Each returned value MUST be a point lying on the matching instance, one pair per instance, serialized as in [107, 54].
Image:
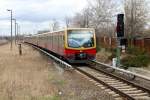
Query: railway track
[119, 88]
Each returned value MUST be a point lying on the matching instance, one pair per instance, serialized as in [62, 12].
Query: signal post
[120, 36]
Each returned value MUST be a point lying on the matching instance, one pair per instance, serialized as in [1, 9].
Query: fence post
[20, 49]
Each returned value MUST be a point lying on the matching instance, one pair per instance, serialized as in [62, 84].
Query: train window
[63, 38]
[58, 39]
[53, 38]
[77, 39]
[47, 38]
[50, 39]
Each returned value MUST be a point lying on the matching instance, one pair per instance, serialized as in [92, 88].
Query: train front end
[80, 45]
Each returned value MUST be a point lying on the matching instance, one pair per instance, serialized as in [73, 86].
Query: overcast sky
[34, 15]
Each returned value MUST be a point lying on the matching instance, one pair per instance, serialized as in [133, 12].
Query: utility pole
[17, 32]
[15, 29]
[11, 27]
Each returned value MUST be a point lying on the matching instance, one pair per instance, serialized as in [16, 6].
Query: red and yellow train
[76, 45]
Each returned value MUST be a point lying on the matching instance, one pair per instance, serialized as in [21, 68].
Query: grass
[55, 97]
[23, 77]
[60, 82]
[31, 77]
[55, 81]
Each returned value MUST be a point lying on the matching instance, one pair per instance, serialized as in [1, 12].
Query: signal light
[120, 25]
[123, 41]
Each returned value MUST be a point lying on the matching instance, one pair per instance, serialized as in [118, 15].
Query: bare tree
[136, 16]
[99, 15]
[54, 25]
[78, 20]
[42, 31]
[102, 12]
[67, 21]
[82, 19]
[86, 17]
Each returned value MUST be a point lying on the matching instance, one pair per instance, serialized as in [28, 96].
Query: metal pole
[18, 32]
[118, 52]
[11, 29]
[15, 30]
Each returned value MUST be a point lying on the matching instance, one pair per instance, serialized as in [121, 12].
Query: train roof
[79, 28]
[60, 31]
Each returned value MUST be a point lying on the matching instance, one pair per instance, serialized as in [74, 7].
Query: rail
[123, 71]
[65, 65]
[123, 94]
[128, 97]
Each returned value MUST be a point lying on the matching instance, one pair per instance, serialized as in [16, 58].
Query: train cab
[80, 45]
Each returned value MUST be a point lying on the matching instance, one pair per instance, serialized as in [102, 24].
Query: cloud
[37, 11]
[41, 10]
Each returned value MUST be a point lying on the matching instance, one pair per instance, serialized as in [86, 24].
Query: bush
[135, 50]
[136, 60]
[113, 54]
[98, 48]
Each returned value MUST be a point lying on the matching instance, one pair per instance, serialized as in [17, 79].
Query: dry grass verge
[35, 77]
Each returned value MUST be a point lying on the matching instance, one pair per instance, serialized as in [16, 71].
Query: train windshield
[78, 39]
